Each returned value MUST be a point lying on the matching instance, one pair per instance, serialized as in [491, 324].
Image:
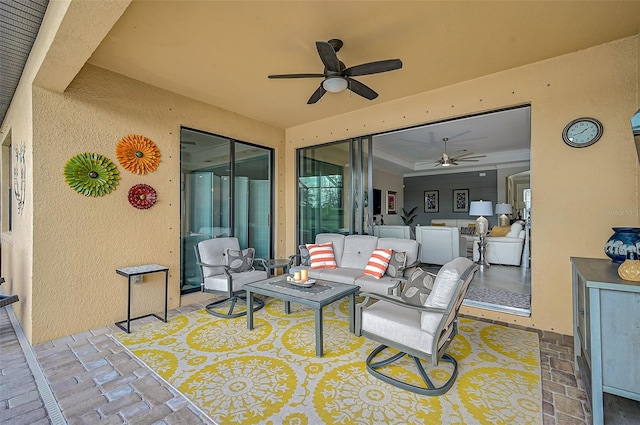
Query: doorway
[226, 190]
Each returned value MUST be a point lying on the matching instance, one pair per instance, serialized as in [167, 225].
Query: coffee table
[322, 293]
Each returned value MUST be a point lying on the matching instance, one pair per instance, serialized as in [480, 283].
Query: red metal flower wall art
[142, 196]
[138, 154]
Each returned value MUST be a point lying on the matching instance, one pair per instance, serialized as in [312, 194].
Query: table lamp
[481, 208]
[503, 209]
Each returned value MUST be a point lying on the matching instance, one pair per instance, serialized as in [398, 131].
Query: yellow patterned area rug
[270, 375]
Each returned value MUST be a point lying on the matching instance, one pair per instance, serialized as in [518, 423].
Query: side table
[129, 273]
[277, 263]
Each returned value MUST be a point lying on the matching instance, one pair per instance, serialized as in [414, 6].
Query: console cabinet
[606, 320]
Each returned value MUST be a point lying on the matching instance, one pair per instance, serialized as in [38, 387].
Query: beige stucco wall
[62, 255]
[577, 194]
[79, 241]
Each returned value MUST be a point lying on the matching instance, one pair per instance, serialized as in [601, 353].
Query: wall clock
[582, 132]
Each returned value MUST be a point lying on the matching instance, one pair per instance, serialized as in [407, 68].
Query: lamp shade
[481, 208]
[503, 209]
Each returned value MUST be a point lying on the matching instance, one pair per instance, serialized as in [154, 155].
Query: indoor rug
[499, 297]
[270, 375]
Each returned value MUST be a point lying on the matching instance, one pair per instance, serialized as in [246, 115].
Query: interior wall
[482, 185]
[77, 288]
[389, 182]
[571, 188]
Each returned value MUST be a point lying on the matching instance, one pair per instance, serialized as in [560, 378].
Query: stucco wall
[577, 194]
[79, 241]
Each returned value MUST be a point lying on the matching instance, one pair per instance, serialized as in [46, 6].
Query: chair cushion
[220, 283]
[444, 287]
[378, 262]
[397, 261]
[214, 252]
[322, 256]
[398, 324]
[240, 260]
[418, 287]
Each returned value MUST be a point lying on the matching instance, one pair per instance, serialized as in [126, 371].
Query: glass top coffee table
[320, 294]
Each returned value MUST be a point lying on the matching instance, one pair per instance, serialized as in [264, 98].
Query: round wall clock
[582, 132]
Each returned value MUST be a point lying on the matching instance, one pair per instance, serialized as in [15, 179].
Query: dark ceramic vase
[623, 240]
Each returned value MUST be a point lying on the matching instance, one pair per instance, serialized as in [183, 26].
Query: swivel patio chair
[423, 330]
[225, 270]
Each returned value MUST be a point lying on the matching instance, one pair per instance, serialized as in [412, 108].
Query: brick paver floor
[95, 380]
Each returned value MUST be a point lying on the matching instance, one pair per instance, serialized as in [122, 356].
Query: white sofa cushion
[516, 228]
[357, 251]
[341, 274]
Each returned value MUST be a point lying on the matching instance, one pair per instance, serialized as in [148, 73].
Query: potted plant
[408, 216]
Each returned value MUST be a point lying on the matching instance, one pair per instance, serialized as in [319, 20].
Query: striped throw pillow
[378, 262]
[322, 256]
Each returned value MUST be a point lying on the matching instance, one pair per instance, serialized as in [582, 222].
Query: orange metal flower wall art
[138, 154]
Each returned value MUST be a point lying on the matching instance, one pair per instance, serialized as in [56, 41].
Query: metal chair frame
[447, 330]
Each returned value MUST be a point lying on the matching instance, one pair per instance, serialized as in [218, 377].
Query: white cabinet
[606, 318]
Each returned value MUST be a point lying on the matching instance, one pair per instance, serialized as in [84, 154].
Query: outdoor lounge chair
[225, 270]
[423, 332]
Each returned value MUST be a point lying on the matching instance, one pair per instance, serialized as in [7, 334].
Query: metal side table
[129, 273]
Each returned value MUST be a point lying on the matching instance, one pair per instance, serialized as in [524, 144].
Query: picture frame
[431, 201]
[392, 204]
[461, 200]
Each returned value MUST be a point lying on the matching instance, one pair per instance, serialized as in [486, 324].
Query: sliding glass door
[226, 190]
[334, 186]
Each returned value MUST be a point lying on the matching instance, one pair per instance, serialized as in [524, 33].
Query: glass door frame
[232, 152]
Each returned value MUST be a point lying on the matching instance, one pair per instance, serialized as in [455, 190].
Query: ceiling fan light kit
[335, 84]
[337, 77]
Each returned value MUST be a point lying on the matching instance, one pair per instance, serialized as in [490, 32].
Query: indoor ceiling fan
[447, 160]
[337, 77]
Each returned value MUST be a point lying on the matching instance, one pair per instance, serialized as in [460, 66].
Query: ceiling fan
[447, 160]
[337, 77]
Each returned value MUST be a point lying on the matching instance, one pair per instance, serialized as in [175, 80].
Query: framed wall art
[391, 202]
[461, 200]
[431, 201]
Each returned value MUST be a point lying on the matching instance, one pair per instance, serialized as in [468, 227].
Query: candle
[296, 276]
[304, 275]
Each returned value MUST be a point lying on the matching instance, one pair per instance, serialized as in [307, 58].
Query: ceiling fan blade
[467, 154]
[465, 160]
[360, 89]
[320, 91]
[373, 67]
[459, 158]
[296, 76]
[328, 56]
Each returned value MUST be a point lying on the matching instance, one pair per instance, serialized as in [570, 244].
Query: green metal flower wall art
[91, 174]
